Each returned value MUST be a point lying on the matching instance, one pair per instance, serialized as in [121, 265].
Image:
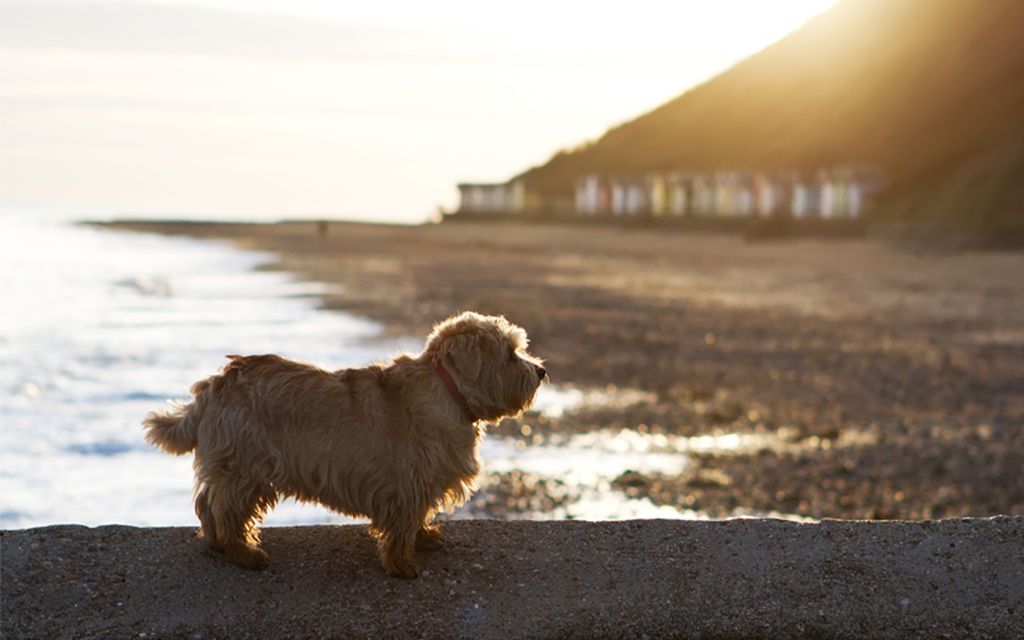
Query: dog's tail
[175, 430]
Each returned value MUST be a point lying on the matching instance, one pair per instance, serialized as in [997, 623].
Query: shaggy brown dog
[394, 442]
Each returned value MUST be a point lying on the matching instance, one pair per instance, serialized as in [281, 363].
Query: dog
[394, 442]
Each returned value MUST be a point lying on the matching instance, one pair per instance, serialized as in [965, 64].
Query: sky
[268, 109]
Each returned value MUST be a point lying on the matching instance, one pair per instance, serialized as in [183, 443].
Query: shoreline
[924, 237]
[856, 362]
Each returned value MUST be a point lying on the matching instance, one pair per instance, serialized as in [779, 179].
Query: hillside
[931, 91]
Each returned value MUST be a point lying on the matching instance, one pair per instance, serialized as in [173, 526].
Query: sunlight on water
[588, 463]
[554, 401]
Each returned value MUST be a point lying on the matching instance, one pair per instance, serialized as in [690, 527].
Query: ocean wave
[105, 448]
[100, 334]
[148, 286]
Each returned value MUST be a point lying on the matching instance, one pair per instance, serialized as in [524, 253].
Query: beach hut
[730, 198]
[604, 197]
[638, 200]
[826, 194]
[504, 197]
[703, 191]
[841, 184]
[743, 185]
[617, 189]
[630, 196]
[588, 194]
[800, 202]
[765, 195]
[679, 194]
[472, 197]
[657, 194]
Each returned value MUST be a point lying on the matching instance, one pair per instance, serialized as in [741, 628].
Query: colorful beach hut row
[841, 192]
[505, 197]
[844, 192]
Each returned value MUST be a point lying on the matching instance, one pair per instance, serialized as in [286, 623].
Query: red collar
[453, 390]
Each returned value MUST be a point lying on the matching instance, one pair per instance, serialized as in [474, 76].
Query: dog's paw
[247, 557]
[407, 569]
[212, 544]
[429, 540]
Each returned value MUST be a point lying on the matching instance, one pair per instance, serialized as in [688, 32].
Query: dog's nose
[542, 372]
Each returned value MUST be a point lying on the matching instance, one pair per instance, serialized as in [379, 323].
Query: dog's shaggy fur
[390, 442]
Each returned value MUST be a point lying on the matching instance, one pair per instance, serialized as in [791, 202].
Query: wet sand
[886, 383]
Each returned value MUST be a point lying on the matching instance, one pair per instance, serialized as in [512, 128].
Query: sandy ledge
[728, 579]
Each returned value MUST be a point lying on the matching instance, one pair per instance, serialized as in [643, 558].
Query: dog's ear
[464, 354]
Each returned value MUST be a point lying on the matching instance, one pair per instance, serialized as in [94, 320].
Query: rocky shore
[634, 579]
[884, 382]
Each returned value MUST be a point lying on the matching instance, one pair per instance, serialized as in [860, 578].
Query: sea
[100, 326]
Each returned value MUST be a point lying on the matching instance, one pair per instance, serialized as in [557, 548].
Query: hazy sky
[371, 110]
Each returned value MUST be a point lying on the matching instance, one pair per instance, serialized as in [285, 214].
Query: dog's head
[487, 358]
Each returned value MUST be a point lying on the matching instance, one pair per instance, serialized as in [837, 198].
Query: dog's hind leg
[235, 506]
[396, 542]
[207, 525]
